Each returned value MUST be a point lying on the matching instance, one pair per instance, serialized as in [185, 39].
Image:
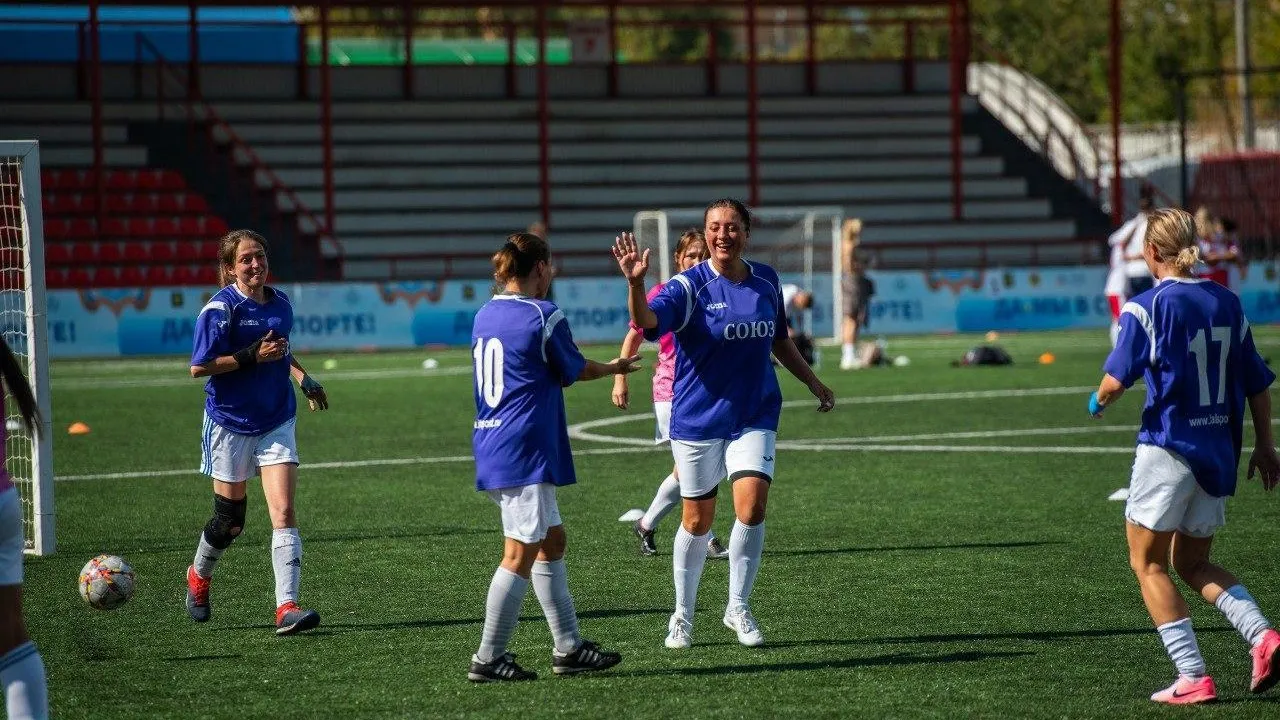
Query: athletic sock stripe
[18, 654]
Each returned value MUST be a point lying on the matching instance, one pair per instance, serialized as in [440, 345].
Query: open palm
[633, 263]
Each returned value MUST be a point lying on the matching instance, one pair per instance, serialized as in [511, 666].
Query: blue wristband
[1095, 407]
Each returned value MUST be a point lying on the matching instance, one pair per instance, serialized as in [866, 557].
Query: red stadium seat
[162, 252]
[56, 228]
[216, 226]
[133, 276]
[115, 227]
[166, 228]
[195, 203]
[84, 253]
[57, 253]
[207, 274]
[137, 252]
[78, 277]
[188, 251]
[105, 276]
[82, 229]
[55, 277]
[108, 252]
[184, 275]
[170, 203]
[157, 275]
[191, 228]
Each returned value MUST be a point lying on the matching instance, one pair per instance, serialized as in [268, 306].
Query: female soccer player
[728, 316]
[26, 695]
[242, 346]
[1191, 341]
[691, 250]
[524, 355]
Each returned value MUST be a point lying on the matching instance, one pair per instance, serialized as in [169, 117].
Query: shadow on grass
[840, 664]
[342, 627]
[144, 546]
[1039, 636]
[917, 548]
[202, 658]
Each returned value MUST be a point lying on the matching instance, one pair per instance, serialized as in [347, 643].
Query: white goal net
[801, 243]
[23, 318]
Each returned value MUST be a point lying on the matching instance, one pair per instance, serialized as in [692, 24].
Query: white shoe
[850, 364]
[679, 633]
[740, 621]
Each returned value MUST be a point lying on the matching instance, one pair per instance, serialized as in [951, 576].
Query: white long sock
[501, 613]
[688, 555]
[26, 696]
[1180, 642]
[1115, 333]
[1243, 613]
[667, 497]
[286, 560]
[551, 585]
[846, 352]
[206, 556]
[746, 543]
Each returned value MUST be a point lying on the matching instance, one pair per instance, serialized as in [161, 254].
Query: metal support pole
[1247, 126]
[193, 53]
[1183, 195]
[544, 135]
[753, 108]
[95, 66]
[326, 117]
[811, 49]
[406, 20]
[957, 81]
[1117, 157]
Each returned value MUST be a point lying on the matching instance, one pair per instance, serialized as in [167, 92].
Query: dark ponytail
[519, 256]
[227, 247]
[15, 382]
[744, 215]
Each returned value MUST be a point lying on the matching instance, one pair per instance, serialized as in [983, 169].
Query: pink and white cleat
[1188, 691]
[1266, 662]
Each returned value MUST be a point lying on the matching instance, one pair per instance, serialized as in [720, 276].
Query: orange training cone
[78, 428]
[1047, 358]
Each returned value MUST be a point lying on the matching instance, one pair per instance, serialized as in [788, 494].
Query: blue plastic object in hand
[1095, 407]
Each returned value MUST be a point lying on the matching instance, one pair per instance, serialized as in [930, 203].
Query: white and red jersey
[664, 371]
[5, 481]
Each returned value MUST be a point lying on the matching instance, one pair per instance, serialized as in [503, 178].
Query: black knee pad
[227, 521]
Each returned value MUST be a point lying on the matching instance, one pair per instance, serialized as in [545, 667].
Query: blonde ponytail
[1172, 232]
[1188, 257]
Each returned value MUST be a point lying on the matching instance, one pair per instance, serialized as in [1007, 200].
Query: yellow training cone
[78, 428]
[993, 336]
[1047, 358]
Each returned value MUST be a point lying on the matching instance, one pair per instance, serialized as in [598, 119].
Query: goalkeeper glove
[1095, 407]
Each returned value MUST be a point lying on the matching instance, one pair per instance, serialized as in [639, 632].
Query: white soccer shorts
[1164, 496]
[702, 464]
[11, 542]
[232, 457]
[527, 511]
[662, 411]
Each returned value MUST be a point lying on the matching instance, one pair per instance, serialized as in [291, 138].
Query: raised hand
[633, 263]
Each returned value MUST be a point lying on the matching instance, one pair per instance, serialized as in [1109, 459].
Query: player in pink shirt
[22, 674]
[691, 250]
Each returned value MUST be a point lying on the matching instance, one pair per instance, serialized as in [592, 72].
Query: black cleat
[291, 619]
[502, 669]
[647, 546]
[586, 658]
[197, 596]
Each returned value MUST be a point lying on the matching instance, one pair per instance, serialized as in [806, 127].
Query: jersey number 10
[1200, 349]
[488, 359]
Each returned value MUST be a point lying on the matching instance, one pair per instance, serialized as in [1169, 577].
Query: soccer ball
[106, 582]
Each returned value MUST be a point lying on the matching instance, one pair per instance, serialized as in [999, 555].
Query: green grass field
[941, 545]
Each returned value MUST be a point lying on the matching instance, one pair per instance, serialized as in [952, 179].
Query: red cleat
[197, 595]
[1266, 662]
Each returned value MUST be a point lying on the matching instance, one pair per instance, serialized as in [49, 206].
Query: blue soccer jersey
[524, 355]
[1191, 341]
[724, 330]
[257, 399]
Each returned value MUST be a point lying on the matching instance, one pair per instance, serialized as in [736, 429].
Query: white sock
[1242, 612]
[551, 585]
[688, 555]
[501, 613]
[206, 556]
[1115, 333]
[846, 352]
[1180, 642]
[746, 542]
[26, 696]
[667, 497]
[286, 560]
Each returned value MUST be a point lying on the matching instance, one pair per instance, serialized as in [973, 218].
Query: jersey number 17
[1221, 336]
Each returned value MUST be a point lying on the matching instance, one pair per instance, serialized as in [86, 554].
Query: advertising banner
[399, 315]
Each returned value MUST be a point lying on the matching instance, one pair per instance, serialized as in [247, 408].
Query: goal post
[801, 243]
[23, 322]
